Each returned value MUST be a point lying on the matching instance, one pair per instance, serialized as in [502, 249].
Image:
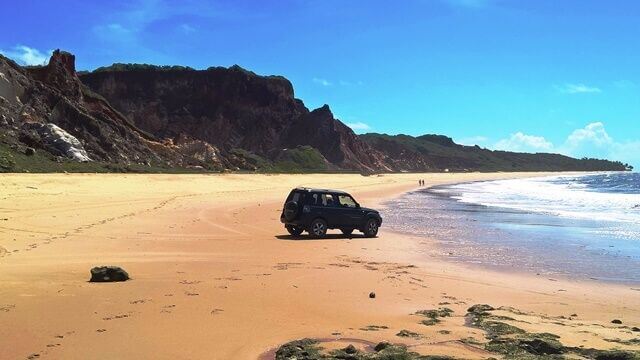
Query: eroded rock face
[229, 108]
[108, 274]
[48, 107]
[55, 139]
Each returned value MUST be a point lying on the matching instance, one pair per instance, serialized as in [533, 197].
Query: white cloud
[524, 143]
[359, 126]
[577, 89]
[25, 55]
[323, 82]
[594, 133]
[590, 141]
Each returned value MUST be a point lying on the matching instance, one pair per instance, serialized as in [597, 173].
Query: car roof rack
[321, 190]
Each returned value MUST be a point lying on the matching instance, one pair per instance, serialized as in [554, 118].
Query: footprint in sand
[140, 301]
[119, 316]
[7, 308]
[216, 311]
[167, 309]
[190, 282]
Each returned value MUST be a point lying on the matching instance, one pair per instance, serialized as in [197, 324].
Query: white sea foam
[549, 196]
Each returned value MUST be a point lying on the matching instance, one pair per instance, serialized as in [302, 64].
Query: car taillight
[306, 209]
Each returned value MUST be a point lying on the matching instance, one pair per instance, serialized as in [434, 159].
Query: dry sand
[216, 277]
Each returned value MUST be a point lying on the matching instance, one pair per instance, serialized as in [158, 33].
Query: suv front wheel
[371, 228]
[318, 228]
[294, 230]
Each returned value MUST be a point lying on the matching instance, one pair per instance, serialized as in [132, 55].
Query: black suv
[316, 210]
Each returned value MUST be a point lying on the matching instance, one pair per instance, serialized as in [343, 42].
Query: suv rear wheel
[294, 230]
[318, 228]
[371, 228]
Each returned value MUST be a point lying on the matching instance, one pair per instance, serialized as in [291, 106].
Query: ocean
[585, 226]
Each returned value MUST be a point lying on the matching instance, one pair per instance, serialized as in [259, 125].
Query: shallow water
[576, 226]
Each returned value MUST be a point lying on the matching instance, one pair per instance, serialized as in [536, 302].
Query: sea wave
[577, 197]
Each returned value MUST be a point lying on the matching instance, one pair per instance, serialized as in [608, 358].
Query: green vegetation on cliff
[437, 153]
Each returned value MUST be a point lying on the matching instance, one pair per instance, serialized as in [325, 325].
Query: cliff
[47, 109]
[131, 117]
[230, 108]
[440, 153]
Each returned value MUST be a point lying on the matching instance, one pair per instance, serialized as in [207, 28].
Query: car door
[322, 206]
[351, 216]
[331, 210]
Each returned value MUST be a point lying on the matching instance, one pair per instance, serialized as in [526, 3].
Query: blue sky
[537, 75]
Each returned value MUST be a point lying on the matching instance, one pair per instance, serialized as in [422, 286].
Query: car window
[346, 201]
[323, 200]
[296, 196]
[327, 200]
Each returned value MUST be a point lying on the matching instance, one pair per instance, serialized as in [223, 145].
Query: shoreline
[438, 244]
[214, 274]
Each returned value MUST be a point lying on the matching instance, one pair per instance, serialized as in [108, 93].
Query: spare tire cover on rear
[291, 210]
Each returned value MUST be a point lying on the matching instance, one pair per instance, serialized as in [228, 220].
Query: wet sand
[214, 274]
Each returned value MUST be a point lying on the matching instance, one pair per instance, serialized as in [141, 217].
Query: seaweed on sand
[515, 343]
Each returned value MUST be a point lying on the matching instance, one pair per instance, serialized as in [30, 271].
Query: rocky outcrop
[229, 108]
[58, 141]
[337, 142]
[48, 107]
[108, 274]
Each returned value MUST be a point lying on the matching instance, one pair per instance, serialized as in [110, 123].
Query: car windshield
[347, 201]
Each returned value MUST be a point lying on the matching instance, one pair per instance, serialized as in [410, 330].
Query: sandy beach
[216, 276]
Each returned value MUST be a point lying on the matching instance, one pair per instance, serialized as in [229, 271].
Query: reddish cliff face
[229, 108]
[336, 141]
[33, 97]
[218, 118]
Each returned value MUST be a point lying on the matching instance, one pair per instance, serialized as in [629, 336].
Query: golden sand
[215, 275]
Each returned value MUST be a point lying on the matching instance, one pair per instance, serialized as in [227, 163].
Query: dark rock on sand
[616, 321]
[609, 354]
[350, 349]
[305, 349]
[407, 333]
[635, 328]
[541, 346]
[381, 346]
[310, 349]
[108, 274]
[480, 308]
[372, 295]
